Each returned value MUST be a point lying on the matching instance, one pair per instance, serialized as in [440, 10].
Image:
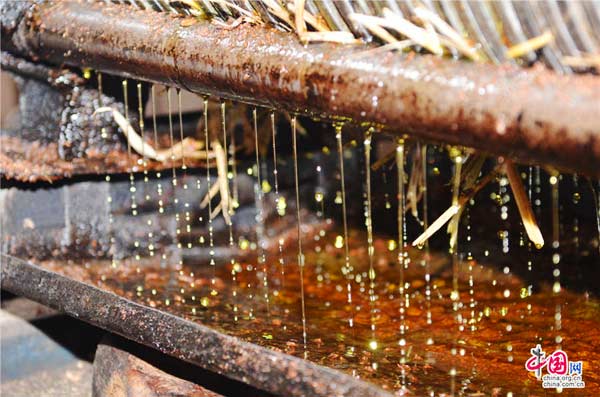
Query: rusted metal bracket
[260, 367]
[527, 114]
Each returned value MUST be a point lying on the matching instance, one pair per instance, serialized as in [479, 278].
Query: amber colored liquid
[489, 354]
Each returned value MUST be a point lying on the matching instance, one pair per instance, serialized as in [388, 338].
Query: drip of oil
[186, 204]
[556, 286]
[299, 226]
[172, 141]
[159, 186]
[529, 291]
[537, 194]
[472, 321]
[211, 242]
[502, 200]
[260, 219]
[537, 183]
[101, 101]
[158, 175]
[204, 301]
[144, 162]
[370, 247]
[386, 195]
[233, 175]
[320, 204]
[471, 262]
[174, 180]
[576, 198]
[455, 294]
[230, 208]
[427, 263]
[132, 187]
[109, 199]
[402, 290]
[347, 269]
[279, 200]
[228, 176]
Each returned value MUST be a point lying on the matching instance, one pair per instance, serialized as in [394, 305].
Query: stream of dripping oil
[409, 337]
[347, 270]
[280, 204]
[299, 236]
[370, 248]
[260, 217]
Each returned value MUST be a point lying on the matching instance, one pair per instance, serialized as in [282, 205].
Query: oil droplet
[281, 205]
[338, 197]
[266, 186]
[373, 345]
[244, 243]
[454, 296]
[391, 245]
[556, 287]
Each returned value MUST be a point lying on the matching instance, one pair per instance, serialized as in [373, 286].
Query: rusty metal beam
[263, 368]
[528, 114]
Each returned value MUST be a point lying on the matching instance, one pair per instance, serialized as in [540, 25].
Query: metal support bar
[527, 114]
[260, 367]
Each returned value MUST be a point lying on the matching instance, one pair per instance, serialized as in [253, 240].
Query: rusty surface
[40, 72]
[262, 368]
[118, 373]
[533, 115]
[36, 161]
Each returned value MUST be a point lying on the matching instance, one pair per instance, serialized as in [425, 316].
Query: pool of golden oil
[480, 366]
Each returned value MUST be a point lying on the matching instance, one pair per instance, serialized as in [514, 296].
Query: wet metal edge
[527, 114]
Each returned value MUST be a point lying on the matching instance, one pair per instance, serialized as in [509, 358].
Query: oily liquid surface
[488, 352]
